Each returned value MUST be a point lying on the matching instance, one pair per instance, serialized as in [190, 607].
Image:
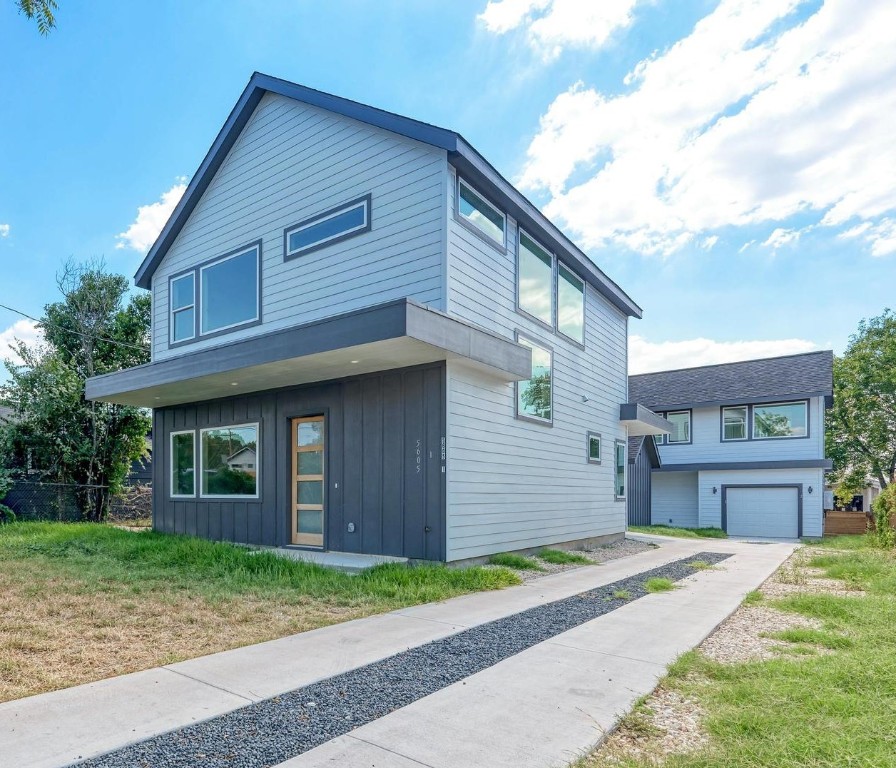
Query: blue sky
[729, 164]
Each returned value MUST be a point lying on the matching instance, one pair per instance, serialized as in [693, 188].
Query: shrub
[6, 514]
[884, 508]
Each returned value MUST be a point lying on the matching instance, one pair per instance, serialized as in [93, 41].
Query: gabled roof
[466, 159]
[773, 378]
[646, 443]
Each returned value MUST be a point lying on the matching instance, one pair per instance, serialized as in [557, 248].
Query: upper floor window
[328, 228]
[535, 280]
[681, 427]
[734, 423]
[570, 305]
[229, 291]
[481, 214]
[780, 420]
[534, 398]
[183, 307]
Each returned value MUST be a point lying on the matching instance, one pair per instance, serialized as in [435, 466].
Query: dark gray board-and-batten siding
[640, 467]
[377, 426]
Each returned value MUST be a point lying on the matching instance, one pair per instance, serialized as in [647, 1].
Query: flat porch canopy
[396, 334]
[640, 420]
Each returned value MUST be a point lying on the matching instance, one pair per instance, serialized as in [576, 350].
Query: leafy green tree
[41, 11]
[95, 329]
[861, 434]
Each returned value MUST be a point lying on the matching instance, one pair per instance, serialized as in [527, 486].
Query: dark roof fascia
[772, 398]
[786, 464]
[460, 152]
[653, 453]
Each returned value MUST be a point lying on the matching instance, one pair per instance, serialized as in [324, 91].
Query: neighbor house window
[534, 397]
[681, 427]
[327, 228]
[780, 420]
[481, 214]
[620, 470]
[229, 291]
[570, 305]
[229, 456]
[183, 463]
[593, 448]
[734, 423]
[535, 280]
[183, 307]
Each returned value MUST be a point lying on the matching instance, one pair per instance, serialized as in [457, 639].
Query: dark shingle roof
[808, 374]
[634, 448]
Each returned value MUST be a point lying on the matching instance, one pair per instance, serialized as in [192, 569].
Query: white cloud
[151, 219]
[646, 356]
[4, 230]
[752, 118]
[782, 237]
[552, 25]
[880, 236]
[709, 242]
[23, 330]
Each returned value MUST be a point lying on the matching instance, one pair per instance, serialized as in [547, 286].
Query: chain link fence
[37, 500]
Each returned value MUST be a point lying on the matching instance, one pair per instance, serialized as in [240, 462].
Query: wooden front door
[308, 486]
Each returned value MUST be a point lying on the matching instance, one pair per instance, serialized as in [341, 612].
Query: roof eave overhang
[388, 336]
[744, 401]
[639, 420]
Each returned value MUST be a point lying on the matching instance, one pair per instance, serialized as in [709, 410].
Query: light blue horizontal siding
[293, 161]
[674, 499]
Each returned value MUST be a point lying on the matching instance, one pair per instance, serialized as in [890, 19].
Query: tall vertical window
[229, 291]
[570, 305]
[183, 307]
[681, 427]
[734, 423]
[230, 461]
[534, 397]
[481, 214]
[535, 280]
[620, 470]
[183, 463]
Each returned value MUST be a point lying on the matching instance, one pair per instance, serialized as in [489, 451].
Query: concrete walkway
[542, 707]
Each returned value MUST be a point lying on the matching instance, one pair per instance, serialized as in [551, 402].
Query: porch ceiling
[640, 420]
[393, 335]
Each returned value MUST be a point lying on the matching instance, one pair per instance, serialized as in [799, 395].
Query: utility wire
[140, 347]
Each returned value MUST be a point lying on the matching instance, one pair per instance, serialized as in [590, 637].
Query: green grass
[700, 565]
[511, 560]
[622, 594]
[144, 562]
[754, 597]
[658, 584]
[806, 708]
[561, 557]
[681, 533]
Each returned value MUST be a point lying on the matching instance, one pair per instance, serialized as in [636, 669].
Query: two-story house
[415, 361]
[746, 451]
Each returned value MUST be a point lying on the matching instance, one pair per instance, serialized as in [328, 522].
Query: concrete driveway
[542, 706]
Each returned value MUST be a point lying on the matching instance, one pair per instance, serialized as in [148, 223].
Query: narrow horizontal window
[620, 470]
[229, 291]
[230, 461]
[570, 305]
[328, 228]
[734, 423]
[183, 307]
[183, 463]
[535, 279]
[681, 427]
[593, 448]
[534, 396]
[780, 420]
[482, 215]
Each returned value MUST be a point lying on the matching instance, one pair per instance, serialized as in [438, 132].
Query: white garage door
[769, 512]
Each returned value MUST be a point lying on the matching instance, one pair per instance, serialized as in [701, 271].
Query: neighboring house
[426, 365]
[243, 460]
[746, 451]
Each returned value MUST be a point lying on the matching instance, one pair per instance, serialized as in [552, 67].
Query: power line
[139, 347]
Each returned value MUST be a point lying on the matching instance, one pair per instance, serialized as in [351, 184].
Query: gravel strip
[740, 638]
[269, 732]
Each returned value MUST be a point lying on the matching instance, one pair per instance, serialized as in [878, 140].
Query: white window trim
[589, 436]
[172, 485]
[257, 494]
[173, 311]
[503, 241]
[746, 410]
[561, 265]
[669, 440]
[617, 444]
[363, 204]
[805, 405]
[252, 248]
[516, 391]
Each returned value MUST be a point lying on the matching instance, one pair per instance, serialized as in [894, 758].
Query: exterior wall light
[809, 489]
[715, 490]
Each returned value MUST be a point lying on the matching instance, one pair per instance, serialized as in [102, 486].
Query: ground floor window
[229, 461]
[183, 463]
[620, 469]
[593, 448]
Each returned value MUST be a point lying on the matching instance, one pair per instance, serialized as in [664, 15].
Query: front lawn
[681, 533]
[82, 602]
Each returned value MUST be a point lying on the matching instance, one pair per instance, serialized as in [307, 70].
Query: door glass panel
[310, 462]
[310, 492]
[310, 433]
[309, 521]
